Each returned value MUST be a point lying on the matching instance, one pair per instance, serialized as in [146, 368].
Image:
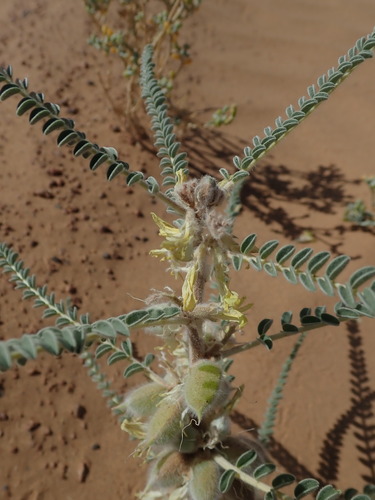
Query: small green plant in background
[142, 22]
[223, 116]
[358, 212]
[181, 414]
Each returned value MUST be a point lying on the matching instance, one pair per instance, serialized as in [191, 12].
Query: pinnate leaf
[248, 243]
[115, 357]
[361, 276]
[136, 317]
[264, 326]
[301, 257]
[328, 492]
[226, 480]
[317, 261]
[283, 480]
[104, 328]
[305, 487]
[133, 369]
[266, 249]
[337, 265]
[285, 253]
[264, 470]
[102, 349]
[246, 459]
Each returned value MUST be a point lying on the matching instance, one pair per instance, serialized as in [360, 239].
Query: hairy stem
[196, 346]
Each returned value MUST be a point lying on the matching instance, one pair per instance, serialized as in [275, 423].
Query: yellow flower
[179, 241]
[163, 253]
[106, 30]
[231, 303]
[181, 177]
[233, 309]
[189, 300]
[166, 229]
[135, 428]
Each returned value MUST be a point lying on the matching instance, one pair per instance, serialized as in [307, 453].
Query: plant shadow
[276, 194]
[275, 449]
[360, 416]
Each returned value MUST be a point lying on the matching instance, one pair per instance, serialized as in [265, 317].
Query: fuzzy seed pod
[204, 482]
[142, 402]
[203, 387]
[171, 470]
[164, 427]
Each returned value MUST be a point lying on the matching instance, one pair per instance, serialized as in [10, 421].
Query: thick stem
[203, 272]
[242, 476]
[196, 346]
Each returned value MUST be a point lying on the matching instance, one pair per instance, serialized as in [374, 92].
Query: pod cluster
[184, 428]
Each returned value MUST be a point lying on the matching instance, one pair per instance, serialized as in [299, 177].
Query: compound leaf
[264, 470]
[133, 369]
[305, 487]
[328, 492]
[104, 328]
[337, 265]
[283, 480]
[246, 459]
[361, 276]
[226, 480]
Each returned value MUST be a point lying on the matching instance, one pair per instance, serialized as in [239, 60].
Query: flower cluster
[197, 247]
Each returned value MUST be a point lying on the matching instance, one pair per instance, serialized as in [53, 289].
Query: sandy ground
[90, 239]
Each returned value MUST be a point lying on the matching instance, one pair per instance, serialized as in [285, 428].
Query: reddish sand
[90, 239]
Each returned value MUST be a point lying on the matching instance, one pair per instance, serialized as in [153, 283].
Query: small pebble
[33, 426]
[82, 472]
[80, 412]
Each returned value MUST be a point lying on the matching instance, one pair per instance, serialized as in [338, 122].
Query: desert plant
[181, 415]
[358, 212]
[142, 22]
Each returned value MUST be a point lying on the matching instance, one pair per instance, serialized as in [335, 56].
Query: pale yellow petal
[189, 300]
[166, 229]
[134, 428]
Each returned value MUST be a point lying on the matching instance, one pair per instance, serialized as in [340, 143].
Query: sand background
[66, 221]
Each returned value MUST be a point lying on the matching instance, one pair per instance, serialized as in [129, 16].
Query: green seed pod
[164, 428]
[142, 402]
[203, 387]
[204, 482]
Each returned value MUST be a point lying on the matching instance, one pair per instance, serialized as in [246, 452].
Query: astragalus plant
[181, 415]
